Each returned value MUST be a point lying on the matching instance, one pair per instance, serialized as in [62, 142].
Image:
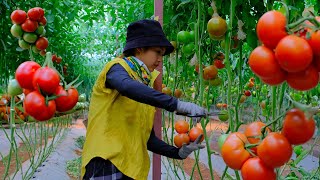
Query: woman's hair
[133, 52]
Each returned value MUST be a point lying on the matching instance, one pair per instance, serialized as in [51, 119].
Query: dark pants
[101, 169]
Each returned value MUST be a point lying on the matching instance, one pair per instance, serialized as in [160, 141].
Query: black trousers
[101, 169]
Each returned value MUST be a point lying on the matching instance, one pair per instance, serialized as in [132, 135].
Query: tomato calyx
[309, 110]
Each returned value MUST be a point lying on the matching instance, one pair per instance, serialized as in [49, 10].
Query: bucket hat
[146, 33]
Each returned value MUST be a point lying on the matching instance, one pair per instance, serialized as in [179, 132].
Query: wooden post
[156, 160]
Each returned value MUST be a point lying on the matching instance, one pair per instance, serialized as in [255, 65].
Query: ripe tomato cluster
[185, 136]
[177, 92]
[5, 107]
[257, 155]
[294, 58]
[29, 29]
[43, 93]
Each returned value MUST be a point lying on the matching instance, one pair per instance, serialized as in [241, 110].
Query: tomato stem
[30, 54]
[302, 20]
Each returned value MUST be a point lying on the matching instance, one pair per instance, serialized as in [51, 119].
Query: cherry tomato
[297, 128]
[254, 169]
[263, 63]
[25, 72]
[67, 100]
[233, 151]
[210, 72]
[275, 150]
[29, 25]
[194, 133]
[181, 126]
[18, 16]
[217, 26]
[42, 43]
[181, 139]
[35, 105]
[304, 80]
[177, 93]
[293, 53]
[47, 79]
[271, 28]
[219, 64]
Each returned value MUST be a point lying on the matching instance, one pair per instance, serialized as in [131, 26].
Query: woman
[122, 108]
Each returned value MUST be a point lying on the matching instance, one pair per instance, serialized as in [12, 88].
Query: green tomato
[40, 30]
[216, 81]
[188, 49]
[30, 37]
[35, 49]
[191, 36]
[298, 150]
[23, 44]
[222, 139]
[223, 115]
[16, 31]
[82, 98]
[14, 88]
[183, 36]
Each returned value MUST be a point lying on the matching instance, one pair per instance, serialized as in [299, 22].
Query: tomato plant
[271, 28]
[233, 150]
[275, 150]
[181, 126]
[293, 53]
[297, 128]
[254, 168]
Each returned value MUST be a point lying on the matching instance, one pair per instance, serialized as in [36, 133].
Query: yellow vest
[118, 127]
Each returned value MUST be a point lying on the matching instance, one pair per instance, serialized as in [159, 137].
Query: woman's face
[151, 57]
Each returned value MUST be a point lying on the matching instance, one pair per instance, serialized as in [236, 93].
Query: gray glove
[190, 108]
[186, 150]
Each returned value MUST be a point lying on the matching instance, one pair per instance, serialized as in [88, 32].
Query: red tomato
[297, 128]
[43, 21]
[263, 63]
[278, 79]
[247, 93]
[254, 169]
[293, 53]
[275, 150]
[316, 61]
[194, 133]
[219, 64]
[27, 91]
[18, 16]
[304, 80]
[54, 58]
[197, 68]
[233, 151]
[181, 126]
[29, 25]
[67, 100]
[35, 105]
[42, 43]
[59, 59]
[314, 42]
[177, 93]
[46, 79]
[181, 139]
[25, 73]
[271, 28]
[210, 72]
[254, 129]
[35, 13]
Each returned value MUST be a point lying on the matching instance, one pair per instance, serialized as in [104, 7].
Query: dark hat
[146, 33]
